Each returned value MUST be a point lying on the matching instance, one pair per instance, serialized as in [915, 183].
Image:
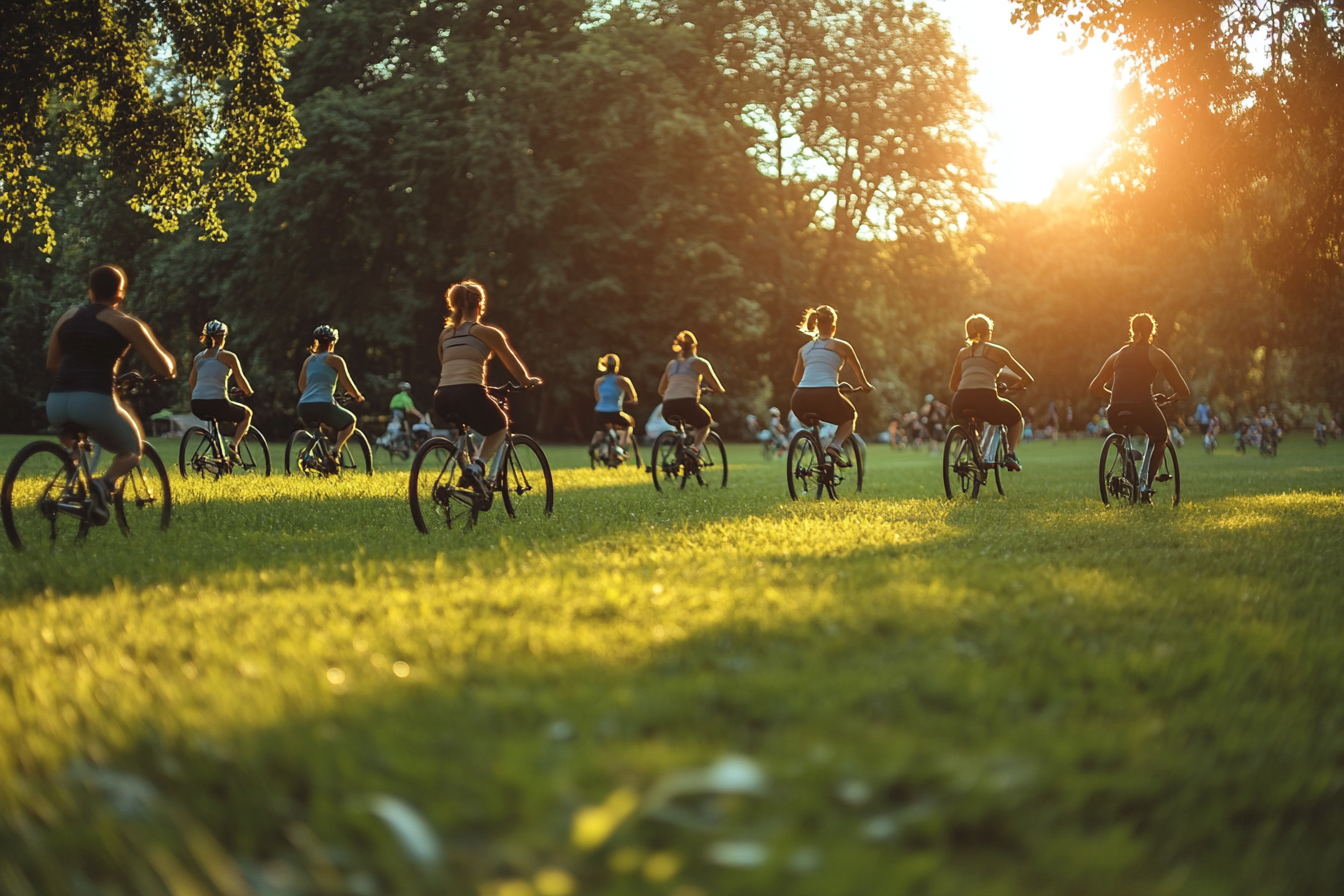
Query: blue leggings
[106, 421]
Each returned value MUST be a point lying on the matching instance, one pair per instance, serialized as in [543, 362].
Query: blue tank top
[90, 350]
[321, 387]
[611, 397]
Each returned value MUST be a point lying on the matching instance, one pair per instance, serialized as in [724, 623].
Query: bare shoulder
[122, 322]
[68, 314]
[1157, 356]
[491, 336]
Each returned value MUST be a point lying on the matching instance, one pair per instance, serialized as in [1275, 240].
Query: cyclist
[464, 345]
[816, 378]
[611, 391]
[210, 371]
[317, 384]
[401, 405]
[974, 383]
[1128, 376]
[680, 387]
[86, 345]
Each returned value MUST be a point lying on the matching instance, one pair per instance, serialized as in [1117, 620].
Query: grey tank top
[321, 386]
[977, 371]
[212, 378]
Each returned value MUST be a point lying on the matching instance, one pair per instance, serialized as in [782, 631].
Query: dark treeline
[616, 172]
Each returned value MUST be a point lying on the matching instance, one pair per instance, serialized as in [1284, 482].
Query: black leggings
[1144, 415]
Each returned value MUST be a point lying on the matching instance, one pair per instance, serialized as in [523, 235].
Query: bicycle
[1120, 476]
[521, 477]
[673, 458]
[202, 451]
[47, 487]
[404, 443]
[969, 458]
[810, 468]
[1321, 438]
[309, 451]
[609, 452]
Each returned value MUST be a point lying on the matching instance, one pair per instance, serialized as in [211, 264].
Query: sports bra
[90, 350]
[464, 357]
[821, 365]
[611, 397]
[979, 372]
[212, 378]
[1134, 375]
[321, 383]
[682, 380]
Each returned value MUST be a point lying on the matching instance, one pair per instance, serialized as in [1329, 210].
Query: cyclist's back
[90, 350]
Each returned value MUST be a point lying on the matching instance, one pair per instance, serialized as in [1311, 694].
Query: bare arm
[191, 381]
[707, 372]
[343, 373]
[596, 397]
[630, 394]
[54, 348]
[499, 344]
[303, 376]
[1100, 387]
[662, 384]
[142, 340]
[1012, 364]
[955, 379]
[798, 368]
[236, 366]
[852, 358]
[1173, 375]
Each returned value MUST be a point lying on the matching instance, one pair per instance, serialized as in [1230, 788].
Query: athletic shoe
[473, 476]
[234, 457]
[837, 458]
[99, 496]
[1012, 463]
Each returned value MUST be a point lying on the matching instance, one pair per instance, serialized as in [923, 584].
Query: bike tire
[854, 454]
[351, 458]
[713, 455]
[29, 509]
[145, 496]
[295, 447]
[1171, 465]
[1116, 479]
[525, 467]
[804, 461]
[634, 443]
[960, 474]
[1000, 462]
[255, 454]
[196, 443]
[433, 488]
[666, 463]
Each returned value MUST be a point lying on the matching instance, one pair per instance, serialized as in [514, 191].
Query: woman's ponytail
[467, 297]
[978, 329]
[609, 363]
[1142, 327]
[685, 343]
[818, 320]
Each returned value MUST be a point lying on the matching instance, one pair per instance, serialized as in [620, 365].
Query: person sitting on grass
[317, 386]
[974, 382]
[210, 372]
[680, 387]
[611, 391]
[816, 379]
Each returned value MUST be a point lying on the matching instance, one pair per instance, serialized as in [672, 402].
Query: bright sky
[1051, 105]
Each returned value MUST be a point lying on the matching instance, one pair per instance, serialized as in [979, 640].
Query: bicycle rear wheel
[960, 472]
[525, 481]
[255, 455]
[144, 497]
[1115, 474]
[665, 464]
[356, 457]
[804, 466]
[42, 500]
[713, 461]
[434, 491]
[196, 454]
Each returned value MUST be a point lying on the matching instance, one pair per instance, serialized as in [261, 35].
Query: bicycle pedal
[1163, 477]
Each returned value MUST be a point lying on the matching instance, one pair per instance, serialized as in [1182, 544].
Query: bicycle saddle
[810, 420]
[1122, 422]
[675, 420]
[72, 430]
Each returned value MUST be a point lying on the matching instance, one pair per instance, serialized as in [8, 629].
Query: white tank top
[821, 366]
[212, 377]
[682, 380]
[977, 371]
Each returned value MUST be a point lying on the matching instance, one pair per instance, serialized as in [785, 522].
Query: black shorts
[470, 404]
[327, 413]
[986, 406]
[826, 403]
[618, 419]
[1144, 415]
[687, 409]
[220, 409]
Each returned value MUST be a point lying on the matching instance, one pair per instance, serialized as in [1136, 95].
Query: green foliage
[1033, 695]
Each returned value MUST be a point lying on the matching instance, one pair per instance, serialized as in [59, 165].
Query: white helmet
[404, 387]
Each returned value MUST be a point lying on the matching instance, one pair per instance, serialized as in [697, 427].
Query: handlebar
[508, 388]
[133, 381]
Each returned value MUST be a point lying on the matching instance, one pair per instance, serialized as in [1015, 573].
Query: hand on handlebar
[532, 381]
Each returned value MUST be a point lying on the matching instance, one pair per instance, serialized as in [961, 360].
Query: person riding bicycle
[1128, 377]
[680, 387]
[611, 391]
[974, 383]
[402, 404]
[317, 384]
[816, 378]
[86, 345]
[464, 345]
[210, 372]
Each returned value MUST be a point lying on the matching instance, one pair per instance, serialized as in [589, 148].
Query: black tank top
[1134, 375]
[90, 350]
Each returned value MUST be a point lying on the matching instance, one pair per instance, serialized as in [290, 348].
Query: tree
[182, 101]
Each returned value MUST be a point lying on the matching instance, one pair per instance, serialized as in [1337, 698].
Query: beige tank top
[682, 380]
[977, 371]
[464, 357]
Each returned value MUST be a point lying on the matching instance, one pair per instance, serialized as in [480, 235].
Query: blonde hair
[823, 317]
[1142, 324]
[978, 329]
[609, 363]
[685, 340]
[462, 299]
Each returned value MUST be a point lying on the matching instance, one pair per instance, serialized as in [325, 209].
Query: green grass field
[712, 692]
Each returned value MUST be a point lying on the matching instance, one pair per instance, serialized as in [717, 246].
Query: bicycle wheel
[713, 461]
[434, 491]
[42, 499]
[1115, 474]
[356, 457]
[804, 466]
[1169, 474]
[633, 441]
[960, 472]
[297, 457]
[525, 481]
[196, 454]
[255, 455]
[665, 463]
[851, 475]
[1000, 459]
[144, 497]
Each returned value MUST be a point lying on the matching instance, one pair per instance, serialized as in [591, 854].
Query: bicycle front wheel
[42, 500]
[196, 454]
[434, 491]
[665, 464]
[960, 471]
[1001, 460]
[1115, 473]
[144, 497]
[296, 453]
[713, 461]
[525, 481]
[804, 465]
[356, 457]
[1169, 475]
[255, 455]
[842, 478]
